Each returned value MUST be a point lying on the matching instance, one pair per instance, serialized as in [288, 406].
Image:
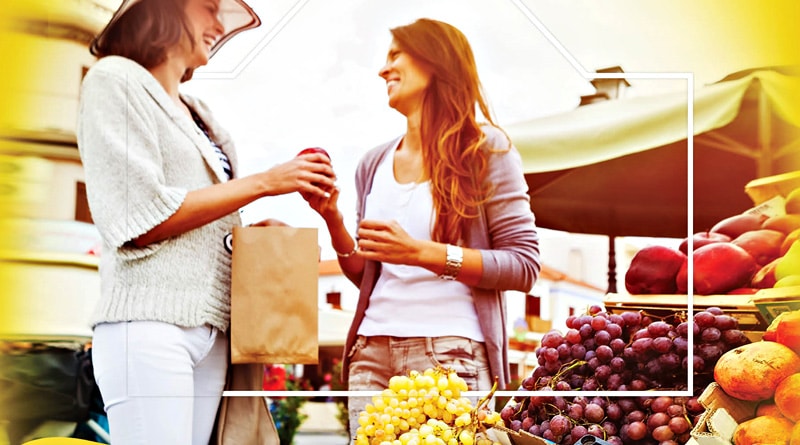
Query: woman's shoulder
[116, 66]
[375, 154]
[496, 139]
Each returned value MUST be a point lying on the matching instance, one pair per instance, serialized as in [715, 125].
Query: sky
[309, 75]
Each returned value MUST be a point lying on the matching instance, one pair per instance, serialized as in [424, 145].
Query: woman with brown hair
[444, 225]
[162, 184]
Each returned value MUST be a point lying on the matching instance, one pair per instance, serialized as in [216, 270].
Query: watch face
[455, 257]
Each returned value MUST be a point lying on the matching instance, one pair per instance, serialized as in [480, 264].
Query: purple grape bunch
[626, 351]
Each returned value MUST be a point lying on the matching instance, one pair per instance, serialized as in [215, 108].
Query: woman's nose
[384, 71]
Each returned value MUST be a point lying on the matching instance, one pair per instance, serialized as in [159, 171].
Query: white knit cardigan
[141, 155]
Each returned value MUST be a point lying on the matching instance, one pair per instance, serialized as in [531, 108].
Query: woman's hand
[326, 206]
[387, 242]
[309, 174]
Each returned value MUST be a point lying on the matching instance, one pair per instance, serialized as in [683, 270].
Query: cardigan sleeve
[119, 148]
[512, 262]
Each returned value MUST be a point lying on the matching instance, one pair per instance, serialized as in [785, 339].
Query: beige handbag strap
[245, 420]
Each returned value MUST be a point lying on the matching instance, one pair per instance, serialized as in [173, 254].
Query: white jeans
[161, 383]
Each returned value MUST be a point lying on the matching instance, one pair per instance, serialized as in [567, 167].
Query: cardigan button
[227, 241]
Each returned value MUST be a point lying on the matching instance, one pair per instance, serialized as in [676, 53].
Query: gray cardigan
[141, 155]
[505, 233]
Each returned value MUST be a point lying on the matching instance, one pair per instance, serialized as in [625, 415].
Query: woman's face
[406, 80]
[203, 17]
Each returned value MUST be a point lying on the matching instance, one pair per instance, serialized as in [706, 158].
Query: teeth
[391, 83]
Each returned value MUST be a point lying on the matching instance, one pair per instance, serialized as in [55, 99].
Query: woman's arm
[308, 174]
[350, 259]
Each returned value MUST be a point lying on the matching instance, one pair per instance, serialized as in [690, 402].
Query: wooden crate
[771, 302]
[741, 307]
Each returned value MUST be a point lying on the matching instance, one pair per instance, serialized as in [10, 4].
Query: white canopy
[615, 128]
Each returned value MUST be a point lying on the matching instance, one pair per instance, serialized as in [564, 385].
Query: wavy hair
[452, 138]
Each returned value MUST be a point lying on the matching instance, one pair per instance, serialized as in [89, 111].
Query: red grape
[662, 433]
[636, 430]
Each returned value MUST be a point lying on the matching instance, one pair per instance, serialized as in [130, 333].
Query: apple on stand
[735, 225]
[682, 278]
[764, 278]
[722, 267]
[764, 245]
[700, 239]
[653, 270]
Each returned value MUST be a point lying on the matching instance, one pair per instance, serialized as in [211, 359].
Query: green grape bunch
[426, 408]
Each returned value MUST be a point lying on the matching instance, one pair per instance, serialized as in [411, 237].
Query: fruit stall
[739, 385]
[701, 347]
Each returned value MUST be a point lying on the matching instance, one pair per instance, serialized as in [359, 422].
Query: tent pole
[764, 161]
[612, 264]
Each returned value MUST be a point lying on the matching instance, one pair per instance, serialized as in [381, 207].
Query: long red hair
[451, 135]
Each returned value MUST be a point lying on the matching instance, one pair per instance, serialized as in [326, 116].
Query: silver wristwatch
[455, 258]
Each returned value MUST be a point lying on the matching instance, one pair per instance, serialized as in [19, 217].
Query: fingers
[375, 233]
[317, 163]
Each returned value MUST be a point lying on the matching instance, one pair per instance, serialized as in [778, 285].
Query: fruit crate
[763, 189]
[722, 415]
[741, 307]
[771, 302]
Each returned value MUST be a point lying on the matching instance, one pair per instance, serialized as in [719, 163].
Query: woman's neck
[169, 74]
[413, 138]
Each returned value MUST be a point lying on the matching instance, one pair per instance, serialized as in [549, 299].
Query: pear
[792, 203]
[789, 264]
[788, 281]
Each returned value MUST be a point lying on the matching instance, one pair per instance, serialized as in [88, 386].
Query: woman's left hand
[387, 242]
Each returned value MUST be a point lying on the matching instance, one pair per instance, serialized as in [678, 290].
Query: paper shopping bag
[274, 309]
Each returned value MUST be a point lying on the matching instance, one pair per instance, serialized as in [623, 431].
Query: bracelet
[348, 254]
[452, 266]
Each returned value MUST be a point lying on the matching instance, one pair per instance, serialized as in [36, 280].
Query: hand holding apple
[311, 150]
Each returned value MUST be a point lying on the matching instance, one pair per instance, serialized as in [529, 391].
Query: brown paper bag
[274, 309]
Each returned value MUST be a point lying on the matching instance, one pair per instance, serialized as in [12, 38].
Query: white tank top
[410, 301]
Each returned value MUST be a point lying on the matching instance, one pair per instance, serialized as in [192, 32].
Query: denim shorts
[374, 360]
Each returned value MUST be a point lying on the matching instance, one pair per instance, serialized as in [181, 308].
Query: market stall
[652, 365]
[620, 168]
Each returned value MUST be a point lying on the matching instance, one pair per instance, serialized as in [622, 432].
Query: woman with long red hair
[444, 225]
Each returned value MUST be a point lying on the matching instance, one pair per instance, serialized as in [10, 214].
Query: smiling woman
[164, 191]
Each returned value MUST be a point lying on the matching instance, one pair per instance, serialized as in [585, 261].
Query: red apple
[653, 270]
[742, 291]
[763, 245]
[736, 225]
[310, 150]
[682, 278]
[721, 267]
[765, 276]
[700, 239]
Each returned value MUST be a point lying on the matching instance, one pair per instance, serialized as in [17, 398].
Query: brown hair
[145, 32]
[451, 135]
